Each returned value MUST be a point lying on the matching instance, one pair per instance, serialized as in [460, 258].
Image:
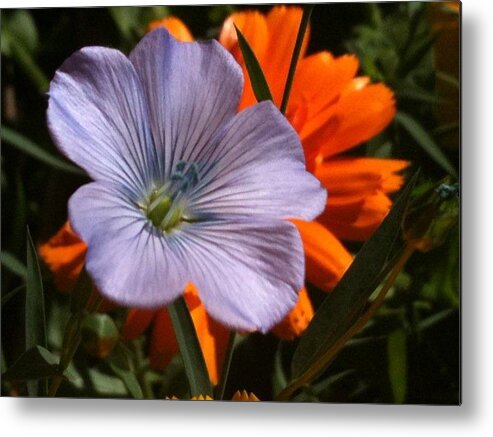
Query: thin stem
[71, 341]
[320, 363]
[305, 19]
[221, 388]
[191, 352]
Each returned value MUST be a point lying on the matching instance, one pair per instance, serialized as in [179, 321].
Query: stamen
[166, 206]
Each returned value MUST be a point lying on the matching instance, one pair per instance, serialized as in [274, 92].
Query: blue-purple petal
[255, 166]
[129, 260]
[192, 90]
[248, 272]
[97, 115]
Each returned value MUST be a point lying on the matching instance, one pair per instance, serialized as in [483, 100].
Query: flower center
[165, 207]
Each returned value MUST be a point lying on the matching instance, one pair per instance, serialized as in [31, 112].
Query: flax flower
[186, 189]
[333, 111]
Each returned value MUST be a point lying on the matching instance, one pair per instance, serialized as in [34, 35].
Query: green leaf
[397, 361]
[410, 92]
[32, 149]
[121, 363]
[190, 349]
[99, 334]
[21, 26]
[13, 264]
[425, 141]
[35, 321]
[36, 363]
[81, 293]
[257, 78]
[412, 58]
[305, 19]
[342, 307]
[107, 385]
[7, 296]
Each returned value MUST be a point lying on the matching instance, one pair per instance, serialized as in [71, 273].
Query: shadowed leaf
[342, 307]
[257, 78]
[35, 321]
[425, 141]
[32, 149]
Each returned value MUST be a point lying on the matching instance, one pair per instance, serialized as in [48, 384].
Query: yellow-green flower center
[163, 212]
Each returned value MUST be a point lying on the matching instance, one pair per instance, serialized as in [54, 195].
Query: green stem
[305, 19]
[71, 341]
[30, 67]
[227, 364]
[191, 352]
[324, 359]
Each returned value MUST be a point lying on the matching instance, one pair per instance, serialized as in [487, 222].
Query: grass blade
[190, 349]
[257, 78]
[35, 309]
[305, 19]
[32, 149]
[425, 141]
[13, 264]
[340, 308]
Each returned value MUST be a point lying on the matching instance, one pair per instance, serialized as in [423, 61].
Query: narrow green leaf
[20, 27]
[130, 381]
[448, 78]
[36, 363]
[305, 19]
[81, 293]
[425, 141]
[32, 149]
[257, 78]
[279, 378]
[35, 322]
[341, 307]
[413, 57]
[13, 264]
[397, 359]
[121, 363]
[7, 296]
[405, 92]
[191, 352]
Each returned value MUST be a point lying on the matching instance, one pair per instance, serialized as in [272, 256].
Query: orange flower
[332, 110]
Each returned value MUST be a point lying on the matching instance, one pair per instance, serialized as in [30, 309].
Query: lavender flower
[185, 189]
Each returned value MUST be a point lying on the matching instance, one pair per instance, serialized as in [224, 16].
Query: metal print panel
[232, 203]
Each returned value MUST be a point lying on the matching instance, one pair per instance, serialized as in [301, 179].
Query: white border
[473, 418]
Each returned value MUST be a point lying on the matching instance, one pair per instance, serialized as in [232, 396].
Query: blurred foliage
[408, 353]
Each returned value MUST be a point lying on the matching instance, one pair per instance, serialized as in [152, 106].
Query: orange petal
[283, 23]
[326, 257]
[295, 323]
[137, 322]
[175, 26]
[253, 26]
[272, 39]
[360, 177]
[213, 337]
[362, 114]
[64, 254]
[356, 220]
[320, 78]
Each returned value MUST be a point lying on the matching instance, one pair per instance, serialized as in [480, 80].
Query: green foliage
[35, 318]
[257, 78]
[190, 350]
[341, 308]
[30, 148]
